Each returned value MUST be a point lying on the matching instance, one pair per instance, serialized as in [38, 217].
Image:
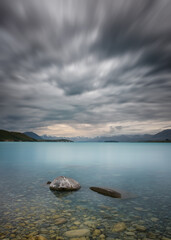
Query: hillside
[33, 135]
[14, 137]
[6, 136]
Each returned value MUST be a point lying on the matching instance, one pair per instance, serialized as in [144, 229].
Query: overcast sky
[86, 67]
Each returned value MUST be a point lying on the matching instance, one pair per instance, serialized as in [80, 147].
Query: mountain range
[161, 136]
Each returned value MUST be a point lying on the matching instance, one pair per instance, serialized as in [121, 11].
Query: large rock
[112, 192]
[64, 184]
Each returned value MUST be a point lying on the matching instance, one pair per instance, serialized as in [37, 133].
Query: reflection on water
[62, 194]
[29, 208]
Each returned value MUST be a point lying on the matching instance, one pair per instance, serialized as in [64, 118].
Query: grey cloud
[84, 62]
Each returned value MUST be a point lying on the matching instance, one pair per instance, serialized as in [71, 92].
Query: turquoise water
[27, 206]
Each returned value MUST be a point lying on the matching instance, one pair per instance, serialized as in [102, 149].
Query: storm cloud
[103, 65]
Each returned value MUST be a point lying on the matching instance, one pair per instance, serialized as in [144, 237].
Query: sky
[85, 67]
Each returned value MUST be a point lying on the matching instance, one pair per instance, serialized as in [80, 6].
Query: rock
[48, 182]
[82, 238]
[112, 192]
[102, 236]
[60, 221]
[138, 208]
[56, 216]
[77, 233]
[106, 191]
[90, 224]
[140, 228]
[154, 219]
[77, 223]
[130, 233]
[38, 237]
[64, 184]
[96, 232]
[119, 227]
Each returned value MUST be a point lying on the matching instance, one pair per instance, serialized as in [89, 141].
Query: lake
[29, 208]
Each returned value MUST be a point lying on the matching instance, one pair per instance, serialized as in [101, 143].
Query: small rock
[102, 236]
[48, 182]
[154, 219]
[140, 228]
[119, 227]
[77, 223]
[56, 216]
[77, 233]
[130, 233]
[138, 208]
[38, 237]
[60, 221]
[96, 232]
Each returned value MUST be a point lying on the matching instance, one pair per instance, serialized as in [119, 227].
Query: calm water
[27, 206]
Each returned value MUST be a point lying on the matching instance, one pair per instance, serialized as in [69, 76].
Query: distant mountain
[161, 136]
[33, 135]
[47, 137]
[14, 137]
[164, 135]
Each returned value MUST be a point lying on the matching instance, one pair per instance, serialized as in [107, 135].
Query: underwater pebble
[119, 227]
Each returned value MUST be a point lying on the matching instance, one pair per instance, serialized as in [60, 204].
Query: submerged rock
[64, 184]
[60, 221]
[140, 228]
[112, 193]
[77, 233]
[106, 191]
[38, 237]
[119, 227]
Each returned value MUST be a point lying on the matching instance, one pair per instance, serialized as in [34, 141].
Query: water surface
[27, 206]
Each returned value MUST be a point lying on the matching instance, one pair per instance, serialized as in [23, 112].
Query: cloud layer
[85, 65]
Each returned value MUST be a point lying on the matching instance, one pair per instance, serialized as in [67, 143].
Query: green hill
[14, 137]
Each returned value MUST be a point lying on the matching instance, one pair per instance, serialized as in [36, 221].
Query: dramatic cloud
[89, 68]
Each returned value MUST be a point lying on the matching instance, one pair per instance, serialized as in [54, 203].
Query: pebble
[138, 208]
[130, 233]
[77, 233]
[140, 228]
[119, 227]
[77, 223]
[96, 232]
[102, 236]
[154, 219]
[60, 221]
[38, 237]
